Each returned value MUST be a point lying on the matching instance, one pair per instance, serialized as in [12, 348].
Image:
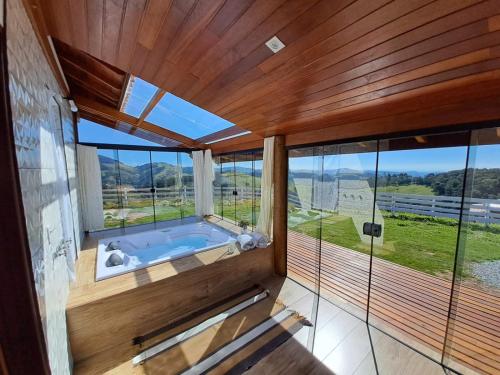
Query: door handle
[372, 229]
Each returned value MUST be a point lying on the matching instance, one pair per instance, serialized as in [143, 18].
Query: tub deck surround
[105, 316]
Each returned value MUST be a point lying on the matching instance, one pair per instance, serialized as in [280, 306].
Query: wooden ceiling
[90, 77]
[346, 62]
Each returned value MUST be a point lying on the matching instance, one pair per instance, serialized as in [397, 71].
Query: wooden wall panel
[110, 323]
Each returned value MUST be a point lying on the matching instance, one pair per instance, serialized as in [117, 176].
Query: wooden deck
[411, 305]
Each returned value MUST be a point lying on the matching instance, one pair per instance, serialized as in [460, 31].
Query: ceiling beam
[72, 68]
[110, 113]
[245, 142]
[229, 132]
[152, 103]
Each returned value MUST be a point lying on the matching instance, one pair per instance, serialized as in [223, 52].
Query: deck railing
[478, 210]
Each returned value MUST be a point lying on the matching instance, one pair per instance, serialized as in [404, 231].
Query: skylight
[139, 93]
[90, 132]
[182, 117]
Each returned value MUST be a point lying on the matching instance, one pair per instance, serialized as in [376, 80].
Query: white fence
[475, 210]
[112, 196]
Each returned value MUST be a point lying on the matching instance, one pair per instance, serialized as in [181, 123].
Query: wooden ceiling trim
[390, 30]
[402, 60]
[154, 17]
[483, 84]
[100, 110]
[464, 112]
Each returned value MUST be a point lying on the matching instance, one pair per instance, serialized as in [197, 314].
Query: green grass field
[420, 242]
[406, 189]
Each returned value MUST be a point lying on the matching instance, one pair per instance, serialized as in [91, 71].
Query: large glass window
[142, 187]
[404, 233]
[474, 326]
[237, 187]
[167, 185]
[110, 181]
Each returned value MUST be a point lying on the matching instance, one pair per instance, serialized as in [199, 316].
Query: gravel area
[487, 272]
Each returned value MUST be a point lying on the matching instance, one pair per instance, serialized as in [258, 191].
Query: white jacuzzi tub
[144, 249]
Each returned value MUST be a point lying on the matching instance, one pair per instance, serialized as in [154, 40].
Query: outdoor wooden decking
[409, 304]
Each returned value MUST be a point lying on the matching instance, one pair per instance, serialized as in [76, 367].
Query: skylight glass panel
[139, 93]
[90, 132]
[182, 117]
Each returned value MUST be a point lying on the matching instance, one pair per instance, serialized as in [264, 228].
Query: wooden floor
[408, 304]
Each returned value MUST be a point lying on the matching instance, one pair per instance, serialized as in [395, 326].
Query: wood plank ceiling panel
[342, 58]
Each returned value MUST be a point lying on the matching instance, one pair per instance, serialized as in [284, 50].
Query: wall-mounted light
[420, 139]
[72, 104]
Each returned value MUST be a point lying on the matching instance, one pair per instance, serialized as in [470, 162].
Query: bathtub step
[197, 316]
[183, 336]
[226, 339]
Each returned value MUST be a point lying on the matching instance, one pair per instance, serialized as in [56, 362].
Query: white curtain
[89, 174]
[208, 180]
[265, 221]
[198, 169]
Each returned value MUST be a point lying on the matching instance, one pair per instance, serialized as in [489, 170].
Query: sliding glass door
[403, 233]
[346, 196]
[419, 190]
[304, 219]
[473, 335]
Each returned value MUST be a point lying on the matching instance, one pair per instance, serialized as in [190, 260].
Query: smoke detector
[274, 44]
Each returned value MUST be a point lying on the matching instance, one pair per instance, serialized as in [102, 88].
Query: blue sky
[95, 133]
[428, 160]
[182, 117]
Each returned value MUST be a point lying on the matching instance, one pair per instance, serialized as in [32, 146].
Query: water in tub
[147, 248]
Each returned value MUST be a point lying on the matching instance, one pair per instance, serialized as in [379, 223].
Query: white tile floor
[346, 344]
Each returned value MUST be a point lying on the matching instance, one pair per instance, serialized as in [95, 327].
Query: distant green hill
[164, 174]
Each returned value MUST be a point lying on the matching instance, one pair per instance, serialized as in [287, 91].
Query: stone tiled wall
[42, 123]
